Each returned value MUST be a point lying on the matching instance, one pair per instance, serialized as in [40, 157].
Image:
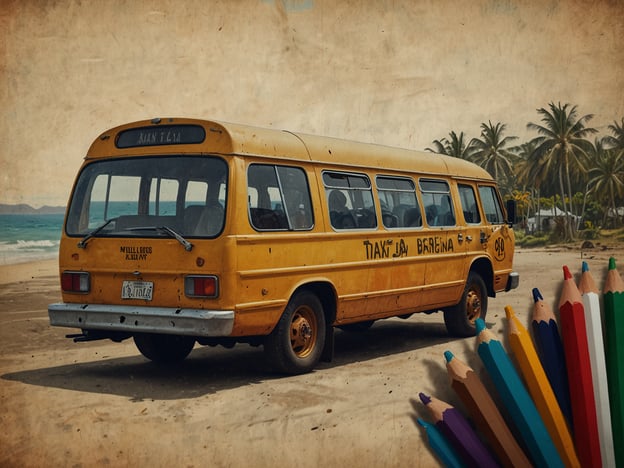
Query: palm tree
[522, 169]
[616, 141]
[490, 151]
[456, 147]
[607, 176]
[560, 150]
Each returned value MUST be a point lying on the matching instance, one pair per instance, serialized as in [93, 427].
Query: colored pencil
[576, 350]
[484, 412]
[613, 295]
[540, 389]
[550, 350]
[593, 323]
[459, 432]
[440, 446]
[516, 399]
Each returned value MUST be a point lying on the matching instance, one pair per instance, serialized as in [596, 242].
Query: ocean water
[29, 237]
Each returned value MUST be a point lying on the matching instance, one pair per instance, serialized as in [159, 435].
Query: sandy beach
[102, 403]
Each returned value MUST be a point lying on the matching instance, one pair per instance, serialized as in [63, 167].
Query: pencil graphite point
[448, 356]
[537, 295]
[422, 422]
[611, 263]
[585, 267]
[509, 312]
[424, 398]
[566, 272]
[480, 325]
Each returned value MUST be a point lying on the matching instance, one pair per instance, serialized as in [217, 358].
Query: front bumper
[513, 280]
[137, 319]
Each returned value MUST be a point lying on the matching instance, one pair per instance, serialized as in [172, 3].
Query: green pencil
[614, 353]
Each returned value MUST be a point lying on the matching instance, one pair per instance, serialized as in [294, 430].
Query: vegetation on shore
[561, 169]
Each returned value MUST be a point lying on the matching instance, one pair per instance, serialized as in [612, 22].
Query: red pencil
[576, 352]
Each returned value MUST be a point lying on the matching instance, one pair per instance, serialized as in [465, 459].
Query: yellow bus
[184, 231]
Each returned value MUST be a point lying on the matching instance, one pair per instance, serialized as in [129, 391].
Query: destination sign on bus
[161, 135]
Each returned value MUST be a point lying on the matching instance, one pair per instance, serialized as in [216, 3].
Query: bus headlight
[201, 286]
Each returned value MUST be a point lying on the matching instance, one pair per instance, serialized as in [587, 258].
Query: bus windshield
[139, 197]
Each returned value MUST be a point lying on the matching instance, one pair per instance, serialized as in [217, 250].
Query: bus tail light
[75, 281]
[201, 286]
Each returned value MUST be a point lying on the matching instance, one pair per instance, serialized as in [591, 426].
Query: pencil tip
[612, 263]
[448, 356]
[480, 324]
[424, 398]
[585, 267]
[509, 312]
[566, 273]
[422, 422]
[537, 295]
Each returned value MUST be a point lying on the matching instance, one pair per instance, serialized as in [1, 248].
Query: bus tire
[460, 319]
[296, 343]
[164, 349]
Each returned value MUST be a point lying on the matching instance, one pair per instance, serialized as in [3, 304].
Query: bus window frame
[449, 198]
[272, 214]
[497, 201]
[414, 190]
[475, 195]
[353, 210]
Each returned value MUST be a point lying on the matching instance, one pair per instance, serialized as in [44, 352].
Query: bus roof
[235, 139]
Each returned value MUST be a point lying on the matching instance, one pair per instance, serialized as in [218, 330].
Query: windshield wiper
[187, 245]
[83, 243]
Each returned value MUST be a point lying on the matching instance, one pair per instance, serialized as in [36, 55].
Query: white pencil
[593, 324]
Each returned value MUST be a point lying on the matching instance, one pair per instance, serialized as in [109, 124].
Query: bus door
[402, 218]
[443, 246]
[473, 223]
[352, 217]
[495, 236]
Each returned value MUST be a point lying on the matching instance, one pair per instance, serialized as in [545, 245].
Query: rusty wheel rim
[303, 331]
[473, 304]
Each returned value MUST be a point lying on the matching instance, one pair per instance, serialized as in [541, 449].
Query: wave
[45, 244]
[27, 251]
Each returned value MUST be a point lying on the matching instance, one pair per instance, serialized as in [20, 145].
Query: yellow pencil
[540, 389]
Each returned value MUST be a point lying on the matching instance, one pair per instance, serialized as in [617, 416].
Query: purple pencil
[459, 432]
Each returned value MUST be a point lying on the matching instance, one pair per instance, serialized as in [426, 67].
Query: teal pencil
[440, 446]
[516, 399]
[613, 294]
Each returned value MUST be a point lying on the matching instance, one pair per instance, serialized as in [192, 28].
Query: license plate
[137, 290]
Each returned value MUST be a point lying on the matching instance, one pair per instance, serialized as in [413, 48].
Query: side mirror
[510, 206]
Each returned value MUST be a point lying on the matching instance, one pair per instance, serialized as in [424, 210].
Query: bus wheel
[460, 319]
[296, 343]
[164, 349]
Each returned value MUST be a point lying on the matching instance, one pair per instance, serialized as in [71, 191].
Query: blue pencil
[550, 351]
[440, 446]
[516, 398]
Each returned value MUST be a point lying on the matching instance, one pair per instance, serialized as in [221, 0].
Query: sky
[394, 72]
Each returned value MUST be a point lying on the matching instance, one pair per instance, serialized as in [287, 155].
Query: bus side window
[437, 202]
[296, 195]
[491, 204]
[399, 205]
[350, 200]
[469, 204]
[278, 198]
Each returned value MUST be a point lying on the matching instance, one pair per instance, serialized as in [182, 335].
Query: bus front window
[184, 193]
